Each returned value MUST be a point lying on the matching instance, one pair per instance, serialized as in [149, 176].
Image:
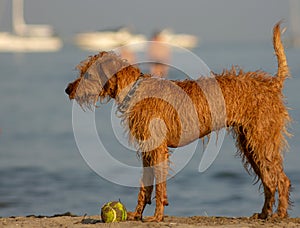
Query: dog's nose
[68, 90]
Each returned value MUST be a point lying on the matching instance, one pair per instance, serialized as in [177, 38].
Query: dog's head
[96, 78]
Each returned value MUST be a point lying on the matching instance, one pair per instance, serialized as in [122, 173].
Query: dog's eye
[87, 75]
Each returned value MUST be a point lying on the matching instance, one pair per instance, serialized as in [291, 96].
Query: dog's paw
[280, 215]
[133, 216]
[153, 219]
[255, 216]
[260, 216]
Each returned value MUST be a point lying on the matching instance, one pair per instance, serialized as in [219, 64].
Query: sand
[70, 220]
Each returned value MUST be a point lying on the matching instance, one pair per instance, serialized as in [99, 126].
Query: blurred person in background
[159, 53]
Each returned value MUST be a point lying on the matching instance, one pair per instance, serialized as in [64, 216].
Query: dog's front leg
[161, 167]
[144, 196]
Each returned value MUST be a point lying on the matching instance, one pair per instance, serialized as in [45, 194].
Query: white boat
[294, 39]
[27, 37]
[107, 39]
[182, 40]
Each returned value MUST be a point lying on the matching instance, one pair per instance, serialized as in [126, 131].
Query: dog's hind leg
[269, 192]
[273, 176]
[284, 186]
[262, 167]
[283, 182]
[144, 196]
[269, 181]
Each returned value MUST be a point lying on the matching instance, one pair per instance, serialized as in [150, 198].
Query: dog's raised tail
[283, 69]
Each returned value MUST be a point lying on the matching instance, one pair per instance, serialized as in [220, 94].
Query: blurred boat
[108, 39]
[28, 37]
[294, 39]
[182, 40]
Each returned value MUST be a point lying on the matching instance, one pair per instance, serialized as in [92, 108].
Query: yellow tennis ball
[113, 211]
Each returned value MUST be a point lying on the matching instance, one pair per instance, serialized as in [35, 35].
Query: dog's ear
[101, 67]
[112, 64]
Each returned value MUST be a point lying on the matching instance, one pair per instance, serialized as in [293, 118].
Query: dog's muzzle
[68, 90]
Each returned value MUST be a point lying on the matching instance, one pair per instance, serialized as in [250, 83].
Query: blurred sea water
[43, 172]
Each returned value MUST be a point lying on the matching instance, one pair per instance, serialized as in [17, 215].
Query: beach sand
[70, 220]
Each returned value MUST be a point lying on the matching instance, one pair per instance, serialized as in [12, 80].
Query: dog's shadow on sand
[90, 221]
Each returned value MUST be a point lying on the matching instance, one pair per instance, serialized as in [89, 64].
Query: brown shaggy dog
[160, 113]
